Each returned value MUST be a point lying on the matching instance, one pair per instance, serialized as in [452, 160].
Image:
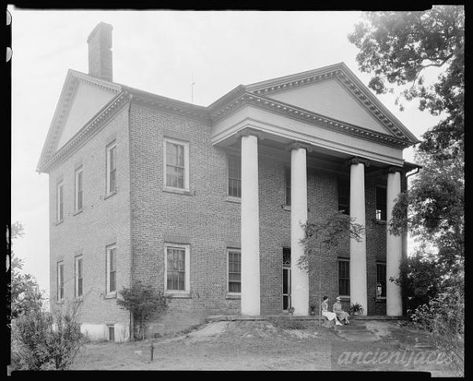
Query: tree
[322, 237]
[24, 292]
[400, 47]
[142, 301]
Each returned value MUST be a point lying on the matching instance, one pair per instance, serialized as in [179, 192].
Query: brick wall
[101, 222]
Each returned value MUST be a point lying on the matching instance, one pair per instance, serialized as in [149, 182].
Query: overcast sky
[160, 52]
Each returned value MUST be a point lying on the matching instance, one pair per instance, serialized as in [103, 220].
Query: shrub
[42, 341]
[142, 301]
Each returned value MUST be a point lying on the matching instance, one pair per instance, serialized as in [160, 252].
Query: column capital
[248, 131]
[358, 160]
[297, 145]
[394, 169]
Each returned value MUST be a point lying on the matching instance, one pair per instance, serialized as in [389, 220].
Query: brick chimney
[100, 52]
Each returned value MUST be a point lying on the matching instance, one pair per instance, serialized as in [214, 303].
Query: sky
[162, 52]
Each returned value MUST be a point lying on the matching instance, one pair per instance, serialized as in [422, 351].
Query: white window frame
[109, 147]
[60, 280]
[229, 158]
[108, 250]
[59, 202]
[186, 290]
[228, 271]
[186, 164]
[76, 276]
[78, 171]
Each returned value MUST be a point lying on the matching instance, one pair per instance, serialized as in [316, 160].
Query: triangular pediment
[335, 92]
[82, 97]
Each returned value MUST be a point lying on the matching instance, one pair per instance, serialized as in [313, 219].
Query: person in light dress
[331, 316]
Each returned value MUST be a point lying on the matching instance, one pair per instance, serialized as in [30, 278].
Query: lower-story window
[380, 280]
[234, 271]
[177, 268]
[111, 332]
[60, 281]
[344, 277]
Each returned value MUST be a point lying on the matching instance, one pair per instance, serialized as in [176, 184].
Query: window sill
[235, 200]
[286, 207]
[381, 299]
[233, 296]
[78, 212]
[379, 222]
[57, 223]
[79, 298]
[60, 301]
[177, 295]
[111, 295]
[110, 195]
[185, 192]
[345, 297]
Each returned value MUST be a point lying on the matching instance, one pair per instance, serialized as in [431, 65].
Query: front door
[286, 279]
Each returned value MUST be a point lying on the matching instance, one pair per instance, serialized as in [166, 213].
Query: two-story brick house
[206, 203]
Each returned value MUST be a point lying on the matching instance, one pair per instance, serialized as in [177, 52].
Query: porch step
[213, 318]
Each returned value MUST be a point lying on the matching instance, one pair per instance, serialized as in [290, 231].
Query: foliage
[24, 292]
[142, 301]
[41, 340]
[326, 235]
[443, 316]
[400, 47]
[356, 307]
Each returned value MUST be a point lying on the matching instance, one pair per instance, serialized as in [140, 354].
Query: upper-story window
[344, 196]
[78, 277]
[78, 192]
[234, 176]
[381, 203]
[176, 164]
[111, 165]
[59, 202]
[287, 180]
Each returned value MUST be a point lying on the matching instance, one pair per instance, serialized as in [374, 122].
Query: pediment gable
[335, 92]
[82, 97]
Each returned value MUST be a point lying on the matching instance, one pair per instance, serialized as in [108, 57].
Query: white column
[299, 277]
[250, 260]
[393, 249]
[358, 279]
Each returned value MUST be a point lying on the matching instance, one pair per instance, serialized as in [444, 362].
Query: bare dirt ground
[262, 345]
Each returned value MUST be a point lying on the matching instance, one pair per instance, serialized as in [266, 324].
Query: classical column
[299, 278]
[250, 260]
[393, 247]
[358, 278]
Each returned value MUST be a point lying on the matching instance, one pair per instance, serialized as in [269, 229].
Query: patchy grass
[278, 344]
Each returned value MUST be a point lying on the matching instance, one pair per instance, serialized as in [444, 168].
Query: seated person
[341, 315]
[331, 316]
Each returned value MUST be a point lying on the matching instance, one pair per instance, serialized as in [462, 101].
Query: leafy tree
[142, 301]
[324, 236]
[24, 292]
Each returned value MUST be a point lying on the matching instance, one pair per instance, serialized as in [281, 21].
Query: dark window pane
[287, 175]
[344, 277]
[112, 281]
[234, 271]
[234, 176]
[381, 203]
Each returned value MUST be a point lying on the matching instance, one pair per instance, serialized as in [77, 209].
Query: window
[78, 277]
[111, 332]
[176, 168]
[234, 271]
[381, 280]
[78, 194]
[234, 176]
[111, 269]
[177, 268]
[287, 178]
[60, 281]
[344, 196]
[344, 277]
[380, 203]
[111, 153]
[60, 202]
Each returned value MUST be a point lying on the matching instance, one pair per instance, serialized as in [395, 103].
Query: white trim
[108, 148]
[78, 171]
[186, 290]
[76, 276]
[186, 164]
[229, 249]
[59, 185]
[108, 249]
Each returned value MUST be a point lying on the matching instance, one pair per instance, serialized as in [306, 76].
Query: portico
[245, 118]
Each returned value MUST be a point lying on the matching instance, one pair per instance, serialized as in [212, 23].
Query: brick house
[206, 203]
